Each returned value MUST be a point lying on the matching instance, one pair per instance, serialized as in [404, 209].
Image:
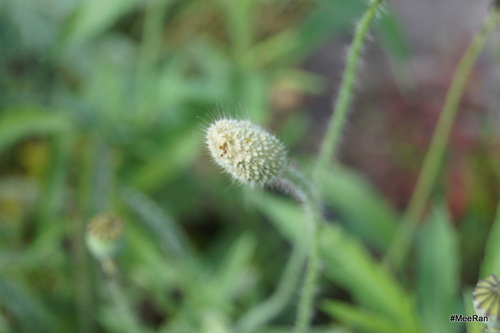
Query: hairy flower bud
[486, 297]
[104, 236]
[246, 151]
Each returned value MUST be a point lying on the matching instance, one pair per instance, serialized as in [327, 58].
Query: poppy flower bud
[104, 236]
[486, 296]
[246, 151]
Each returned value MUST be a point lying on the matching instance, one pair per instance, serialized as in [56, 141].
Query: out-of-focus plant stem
[302, 190]
[342, 104]
[84, 296]
[263, 313]
[96, 179]
[328, 149]
[434, 157]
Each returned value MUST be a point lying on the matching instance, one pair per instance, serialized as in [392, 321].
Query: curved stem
[264, 312]
[343, 102]
[306, 303]
[310, 204]
[434, 156]
[328, 149]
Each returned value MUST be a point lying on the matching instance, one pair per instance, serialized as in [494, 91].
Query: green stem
[491, 261]
[119, 299]
[328, 149]
[306, 194]
[84, 295]
[434, 157]
[306, 303]
[343, 102]
[95, 188]
[266, 311]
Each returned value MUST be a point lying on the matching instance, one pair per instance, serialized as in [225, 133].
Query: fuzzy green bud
[246, 151]
[486, 296]
[104, 237]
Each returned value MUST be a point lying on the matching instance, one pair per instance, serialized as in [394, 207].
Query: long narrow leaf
[165, 228]
[363, 320]
[25, 307]
[472, 327]
[348, 264]
[438, 273]
[363, 209]
[18, 124]
[491, 263]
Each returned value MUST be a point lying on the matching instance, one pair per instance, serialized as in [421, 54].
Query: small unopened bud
[246, 151]
[486, 298]
[104, 237]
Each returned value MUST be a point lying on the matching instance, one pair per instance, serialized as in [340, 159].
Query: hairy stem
[434, 157]
[328, 149]
[343, 102]
[306, 303]
[310, 203]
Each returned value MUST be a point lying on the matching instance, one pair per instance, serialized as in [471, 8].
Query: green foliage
[16, 124]
[349, 192]
[102, 109]
[491, 263]
[438, 273]
[349, 264]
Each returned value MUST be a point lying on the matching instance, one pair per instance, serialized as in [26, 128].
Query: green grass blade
[54, 187]
[286, 216]
[365, 321]
[164, 227]
[348, 264]
[361, 207]
[270, 308]
[472, 327]
[169, 160]
[18, 124]
[229, 279]
[491, 263]
[438, 273]
[92, 17]
[26, 308]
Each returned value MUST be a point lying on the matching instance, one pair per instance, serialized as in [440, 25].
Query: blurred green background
[103, 106]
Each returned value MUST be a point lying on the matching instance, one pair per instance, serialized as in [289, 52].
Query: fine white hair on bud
[246, 151]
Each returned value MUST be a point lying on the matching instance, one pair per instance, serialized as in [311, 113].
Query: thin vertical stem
[311, 206]
[434, 157]
[83, 290]
[306, 303]
[95, 188]
[343, 102]
[328, 149]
